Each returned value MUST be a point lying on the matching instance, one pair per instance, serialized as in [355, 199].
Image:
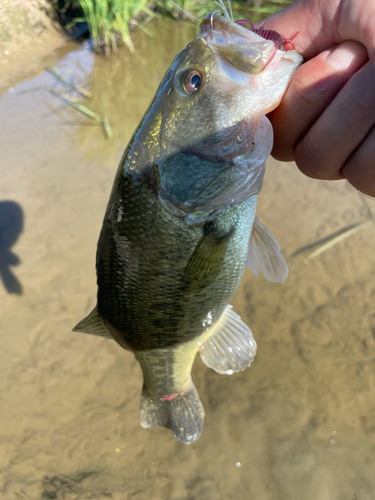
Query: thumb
[323, 23]
[306, 21]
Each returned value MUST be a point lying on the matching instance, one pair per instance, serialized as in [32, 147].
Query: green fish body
[180, 226]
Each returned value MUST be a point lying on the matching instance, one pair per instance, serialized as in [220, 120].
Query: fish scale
[149, 304]
[181, 223]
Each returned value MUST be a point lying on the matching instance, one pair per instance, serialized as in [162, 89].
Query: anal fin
[93, 324]
[232, 347]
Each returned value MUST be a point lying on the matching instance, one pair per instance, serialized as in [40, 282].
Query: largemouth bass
[180, 226]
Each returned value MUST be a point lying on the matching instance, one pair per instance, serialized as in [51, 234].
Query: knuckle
[305, 95]
[310, 160]
[285, 136]
[359, 168]
[280, 153]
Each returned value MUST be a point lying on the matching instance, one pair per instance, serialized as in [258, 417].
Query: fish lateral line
[181, 226]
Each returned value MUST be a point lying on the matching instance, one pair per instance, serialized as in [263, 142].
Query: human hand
[326, 119]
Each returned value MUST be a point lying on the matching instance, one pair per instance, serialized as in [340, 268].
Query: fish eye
[192, 81]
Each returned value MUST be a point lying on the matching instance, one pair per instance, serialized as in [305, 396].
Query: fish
[180, 226]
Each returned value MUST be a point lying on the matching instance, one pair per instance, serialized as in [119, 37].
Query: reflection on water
[300, 421]
[11, 225]
[118, 86]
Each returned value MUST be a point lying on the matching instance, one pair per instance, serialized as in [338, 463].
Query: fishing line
[188, 13]
[230, 10]
[220, 3]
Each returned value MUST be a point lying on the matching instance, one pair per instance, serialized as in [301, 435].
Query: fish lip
[214, 23]
[215, 30]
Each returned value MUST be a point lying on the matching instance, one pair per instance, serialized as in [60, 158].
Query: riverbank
[27, 31]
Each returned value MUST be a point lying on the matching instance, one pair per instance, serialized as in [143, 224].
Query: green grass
[111, 21]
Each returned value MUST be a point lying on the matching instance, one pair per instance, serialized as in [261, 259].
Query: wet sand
[298, 424]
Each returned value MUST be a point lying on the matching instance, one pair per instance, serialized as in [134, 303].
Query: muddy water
[298, 424]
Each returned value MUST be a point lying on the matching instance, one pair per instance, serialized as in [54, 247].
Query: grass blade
[76, 105]
[336, 240]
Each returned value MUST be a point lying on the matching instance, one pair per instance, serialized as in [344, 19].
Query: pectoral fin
[93, 324]
[264, 254]
[232, 347]
[206, 260]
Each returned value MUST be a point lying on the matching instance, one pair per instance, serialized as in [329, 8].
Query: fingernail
[342, 56]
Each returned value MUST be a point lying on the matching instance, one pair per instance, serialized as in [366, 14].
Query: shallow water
[298, 424]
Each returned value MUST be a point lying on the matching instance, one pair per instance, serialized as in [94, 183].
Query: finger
[313, 87]
[360, 167]
[341, 128]
[305, 18]
[323, 23]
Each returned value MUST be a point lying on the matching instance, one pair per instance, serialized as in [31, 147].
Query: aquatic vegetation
[111, 22]
[333, 239]
[71, 96]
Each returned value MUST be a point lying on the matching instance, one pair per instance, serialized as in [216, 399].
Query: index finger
[313, 87]
[323, 23]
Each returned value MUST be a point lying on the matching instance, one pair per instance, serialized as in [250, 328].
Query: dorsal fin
[93, 324]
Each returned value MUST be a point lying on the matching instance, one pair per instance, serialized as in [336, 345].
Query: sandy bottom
[299, 424]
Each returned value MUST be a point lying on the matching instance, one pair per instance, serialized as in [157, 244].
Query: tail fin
[184, 414]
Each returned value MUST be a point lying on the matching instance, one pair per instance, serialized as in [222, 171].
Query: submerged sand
[298, 424]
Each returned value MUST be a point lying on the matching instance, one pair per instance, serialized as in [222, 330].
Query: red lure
[281, 42]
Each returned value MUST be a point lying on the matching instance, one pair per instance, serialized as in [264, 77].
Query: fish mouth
[215, 28]
[245, 57]
[242, 49]
[241, 55]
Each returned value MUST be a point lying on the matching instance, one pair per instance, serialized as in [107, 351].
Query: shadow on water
[11, 225]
